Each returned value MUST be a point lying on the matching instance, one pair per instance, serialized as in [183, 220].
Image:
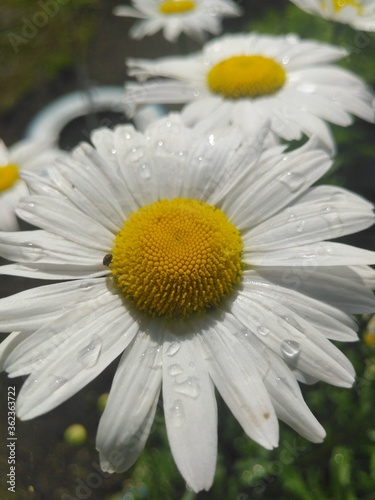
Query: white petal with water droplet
[111, 325]
[130, 409]
[190, 412]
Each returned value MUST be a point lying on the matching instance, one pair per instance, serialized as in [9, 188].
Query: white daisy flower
[244, 79]
[28, 154]
[201, 263]
[193, 17]
[360, 14]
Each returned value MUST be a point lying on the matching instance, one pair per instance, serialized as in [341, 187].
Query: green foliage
[29, 30]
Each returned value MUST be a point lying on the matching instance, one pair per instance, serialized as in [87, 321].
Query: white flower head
[360, 14]
[202, 262]
[245, 79]
[193, 17]
[29, 154]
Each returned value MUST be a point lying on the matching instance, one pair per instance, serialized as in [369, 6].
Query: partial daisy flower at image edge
[194, 18]
[245, 79]
[201, 261]
[28, 154]
[359, 14]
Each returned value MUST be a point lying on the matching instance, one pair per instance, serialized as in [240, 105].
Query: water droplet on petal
[300, 227]
[290, 350]
[56, 383]
[293, 322]
[30, 385]
[263, 330]
[292, 180]
[189, 387]
[173, 348]
[89, 355]
[177, 413]
[174, 370]
[145, 171]
[113, 151]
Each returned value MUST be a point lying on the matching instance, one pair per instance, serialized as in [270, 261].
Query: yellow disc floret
[338, 5]
[177, 257]
[176, 6]
[8, 176]
[246, 76]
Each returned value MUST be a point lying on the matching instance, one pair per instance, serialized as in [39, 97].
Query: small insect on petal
[107, 259]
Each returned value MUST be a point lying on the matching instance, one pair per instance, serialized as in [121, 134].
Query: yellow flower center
[8, 176]
[246, 76]
[340, 4]
[176, 6]
[177, 257]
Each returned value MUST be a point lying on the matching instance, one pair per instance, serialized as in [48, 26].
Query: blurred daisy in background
[26, 155]
[193, 17]
[246, 79]
[360, 14]
[203, 261]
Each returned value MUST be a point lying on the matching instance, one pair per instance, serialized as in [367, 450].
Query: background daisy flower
[246, 79]
[193, 17]
[179, 252]
[29, 154]
[360, 14]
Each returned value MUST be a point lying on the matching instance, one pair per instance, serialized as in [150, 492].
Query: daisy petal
[31, 309]
[190, 411]
[84, 349]
[129, 413]
[239, 383]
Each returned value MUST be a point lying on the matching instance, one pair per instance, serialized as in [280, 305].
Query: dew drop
[160, 143]
[177, 413]
[300, 227]
[145, 171]
[292, 180]
[30, 384]
[89, 355]
[196, 93]
[290, 349]
[263, 330]
[189, 387]
[292, 39]
[127, 135]
[173, 348]
[332, 217]
[174, 370]
[285, 60]
[292, 322]
[84, 285]
[113, 151]
[56, 383]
